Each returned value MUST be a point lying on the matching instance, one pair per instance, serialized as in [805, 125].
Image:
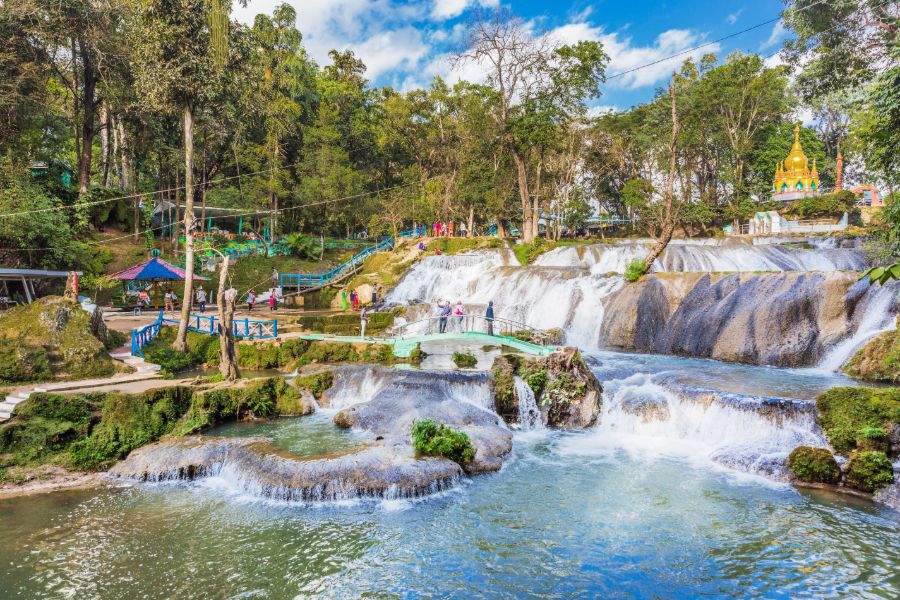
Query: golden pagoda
[793, 177]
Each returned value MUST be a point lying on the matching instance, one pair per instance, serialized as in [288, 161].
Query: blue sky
[405, 43]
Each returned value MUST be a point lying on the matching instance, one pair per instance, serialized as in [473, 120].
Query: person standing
[273, 301]
[489, 317]
[251, 300]
[344, 299]
[354, 298]
[458, 313]
[444, 315]
[363, 321]
[168, 298]
[201, 299]
[450, 229]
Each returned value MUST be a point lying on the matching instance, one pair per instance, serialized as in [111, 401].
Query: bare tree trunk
[536, 203]
[177, 218]
[668, 226]
[181, 339]
[273, 197]
[225, 299]
[471, 224]
[89, 105]
[522, 176]
[116, 151]
[104, 143]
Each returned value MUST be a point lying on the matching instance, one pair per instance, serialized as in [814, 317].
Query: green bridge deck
[403, 346]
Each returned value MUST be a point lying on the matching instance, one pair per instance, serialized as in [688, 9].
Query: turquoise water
[571, 515]
[549, 525]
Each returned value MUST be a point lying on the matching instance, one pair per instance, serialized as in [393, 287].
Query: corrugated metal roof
[34, 273]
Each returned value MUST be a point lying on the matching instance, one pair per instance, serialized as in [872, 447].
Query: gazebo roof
[154, 269]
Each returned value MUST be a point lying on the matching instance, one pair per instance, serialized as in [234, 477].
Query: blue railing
[241, 328]
[302, 281]
[144, 335]
[417, 231]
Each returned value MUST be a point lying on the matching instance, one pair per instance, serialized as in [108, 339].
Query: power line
[709, 43]
[253, 212]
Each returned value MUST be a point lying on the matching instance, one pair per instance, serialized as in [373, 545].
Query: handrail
[241, 328]
[476, 323]
[317, 280]
[142, 336]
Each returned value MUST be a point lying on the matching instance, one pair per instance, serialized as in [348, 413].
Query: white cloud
[449, 9]
[389, 50]
[778, 33]
[733, 17]
[602, 109]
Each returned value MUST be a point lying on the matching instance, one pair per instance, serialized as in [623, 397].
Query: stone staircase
[143, 370]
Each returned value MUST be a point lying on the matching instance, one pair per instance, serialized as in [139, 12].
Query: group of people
[455, 314]
[447, 229]
[273, 300]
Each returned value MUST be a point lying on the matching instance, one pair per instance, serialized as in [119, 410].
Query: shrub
[439, 440]
[635, 270]
[852, 417]
[20, 362]
[870, 470]
[317, 383]
[814, 465]
[464, 360]
[826, 205]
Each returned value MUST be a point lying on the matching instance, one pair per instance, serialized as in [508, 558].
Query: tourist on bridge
[458, 313]
[201, 299]
[489, 317]
[363, 321]
[251, 300]
[444, 315]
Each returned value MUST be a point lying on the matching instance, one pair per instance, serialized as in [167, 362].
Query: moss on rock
[858, 418]
[316, 383]
[814, 465]
[53, 338]
[878, 360]
[870, 470]
[464, 360]
[434, 439]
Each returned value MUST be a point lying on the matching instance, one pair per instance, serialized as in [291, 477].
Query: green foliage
[814, 465]
[261, 397]
[302, 246]
[527, 253]
[435, 439]
[201, 349]
[878, 360]
[635, 270]
[346, 323]
[826, 205]
[870, 470]
[850, 416]
[504, 371]
[464, 360]
[316, 383]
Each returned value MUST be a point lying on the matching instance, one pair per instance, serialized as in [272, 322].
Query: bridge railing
[316, 280]
[241, 328]
[144, 335]
[475, 323]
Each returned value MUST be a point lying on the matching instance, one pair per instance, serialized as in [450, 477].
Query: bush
[870, 471]
[464, 360]
[635, 270]
[814, 465]
[826, 205]
[856, 417]
[20, 362]
[439, 440]
[317, 383]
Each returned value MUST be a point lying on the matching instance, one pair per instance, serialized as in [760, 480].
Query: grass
[433, 439]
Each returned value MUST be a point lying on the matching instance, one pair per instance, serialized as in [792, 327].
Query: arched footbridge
[468, 328]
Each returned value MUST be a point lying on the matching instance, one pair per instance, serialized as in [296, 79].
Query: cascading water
[707, 255]
[748, 433]
[529, 413]
[877, 318]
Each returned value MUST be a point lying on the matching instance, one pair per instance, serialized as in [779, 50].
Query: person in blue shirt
[489, 317]
[444, 314]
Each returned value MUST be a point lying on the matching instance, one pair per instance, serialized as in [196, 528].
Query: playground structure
[308, 282]
[242, 328]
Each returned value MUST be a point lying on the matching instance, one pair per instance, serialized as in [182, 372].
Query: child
[251, 300]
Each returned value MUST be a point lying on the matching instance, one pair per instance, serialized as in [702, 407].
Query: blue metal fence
[242, 328]
[144, 335]
[302, 281]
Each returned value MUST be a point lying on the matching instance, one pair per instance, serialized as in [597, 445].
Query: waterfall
[877, 318]
[529, 413]
[728, 255]
[747, 433]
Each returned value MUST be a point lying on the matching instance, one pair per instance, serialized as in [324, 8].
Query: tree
[667, 226]
[535, 81]
[225, 301]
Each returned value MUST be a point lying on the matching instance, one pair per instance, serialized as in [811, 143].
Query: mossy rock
[436, 439]
[878, 360]
[870, 470]
[464, 360]
[504, 370]
[316, 383]
[858, 418]
[54, 338]
[814, 465]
